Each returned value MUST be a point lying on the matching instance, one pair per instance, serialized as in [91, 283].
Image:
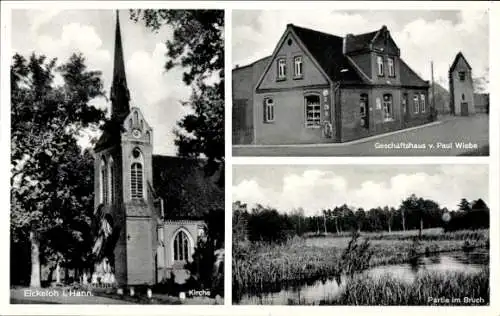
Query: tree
[48, 198]
[204, 266]
[198, 47]
[481, 83]
[464, 205]
[414, 205]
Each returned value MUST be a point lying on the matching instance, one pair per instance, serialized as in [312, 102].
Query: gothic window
[104, 181]
[313, 111]
[136, 176]
[181, 247]
[112, 175]
[136, 117]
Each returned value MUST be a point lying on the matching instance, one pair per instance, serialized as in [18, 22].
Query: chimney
[344, 42]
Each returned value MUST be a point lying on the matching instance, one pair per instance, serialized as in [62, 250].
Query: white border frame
[492, 161]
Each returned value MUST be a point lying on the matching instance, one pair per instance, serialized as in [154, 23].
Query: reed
[429, 288]
[260, 267]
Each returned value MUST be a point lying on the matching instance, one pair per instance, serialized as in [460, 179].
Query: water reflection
[328, 289]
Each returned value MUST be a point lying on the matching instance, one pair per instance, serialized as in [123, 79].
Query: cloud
[421, 39]
[315, 190]
[148, 76]
[38, 18]
[75, 37]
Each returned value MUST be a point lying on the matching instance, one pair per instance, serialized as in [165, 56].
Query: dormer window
[380, 64]
[297, 62]
[281, 69]
[390, 64]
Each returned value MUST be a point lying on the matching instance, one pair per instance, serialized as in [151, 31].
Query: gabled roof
[327, 49]
[455, 62]
[188, 192]
[360, 41]
[409, 78]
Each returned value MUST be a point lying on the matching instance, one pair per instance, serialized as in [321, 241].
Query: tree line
[268, 225]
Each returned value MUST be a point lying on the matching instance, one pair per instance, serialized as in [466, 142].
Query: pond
[461, 261]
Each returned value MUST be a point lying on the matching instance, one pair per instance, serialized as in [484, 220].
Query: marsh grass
[386, 290]
[261, 267]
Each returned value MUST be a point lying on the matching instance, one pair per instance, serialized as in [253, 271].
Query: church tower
[123, 181]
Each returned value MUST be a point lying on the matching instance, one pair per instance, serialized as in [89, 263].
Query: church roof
[188, 192]
[455, 62]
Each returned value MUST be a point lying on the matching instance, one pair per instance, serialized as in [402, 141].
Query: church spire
[119, 91]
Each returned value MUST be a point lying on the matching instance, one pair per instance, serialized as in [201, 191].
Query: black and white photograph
[360, 83]
[117, 156]
[399, 235]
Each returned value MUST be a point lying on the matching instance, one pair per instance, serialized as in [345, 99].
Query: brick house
[153, 203]
[461, 87]
[321, 88]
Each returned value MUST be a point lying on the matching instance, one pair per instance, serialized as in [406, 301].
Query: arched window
[182, 247]
[112, 175]
[136, 117]
[104, 181]
[136, 180]
[136, 176]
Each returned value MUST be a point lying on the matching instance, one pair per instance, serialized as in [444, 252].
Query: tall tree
[46, 192]
[198, 47]
[464, 205]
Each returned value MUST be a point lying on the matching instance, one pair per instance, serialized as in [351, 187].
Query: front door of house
[464, 108]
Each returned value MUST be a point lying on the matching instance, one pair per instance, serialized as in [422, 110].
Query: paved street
[443, 139]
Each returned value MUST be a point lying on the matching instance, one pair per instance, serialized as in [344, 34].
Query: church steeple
[120, 96]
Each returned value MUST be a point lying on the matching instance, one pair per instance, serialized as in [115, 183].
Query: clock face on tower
[136, 133]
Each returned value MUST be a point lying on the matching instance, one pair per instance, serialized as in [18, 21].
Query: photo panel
[117, 189]
[360, 82]
[390, 235]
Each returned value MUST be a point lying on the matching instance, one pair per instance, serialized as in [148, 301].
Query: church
[151, 205]
[322, 88]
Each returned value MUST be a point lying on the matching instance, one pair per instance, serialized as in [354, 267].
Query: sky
[316, 187]
[422, 36]
[157, 93]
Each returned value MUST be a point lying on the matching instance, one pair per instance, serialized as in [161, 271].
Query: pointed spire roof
[119, 91]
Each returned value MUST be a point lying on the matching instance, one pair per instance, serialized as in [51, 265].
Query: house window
[112, 175]
[281, 69]
[181, 247]
[104, 181]
[461, 75]
[268, 110]
[390, 63]
[297, 61]
[422, 102]
[313, 111]
[415, 103]
[380, 63]
[388, 111]
[363, 110]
